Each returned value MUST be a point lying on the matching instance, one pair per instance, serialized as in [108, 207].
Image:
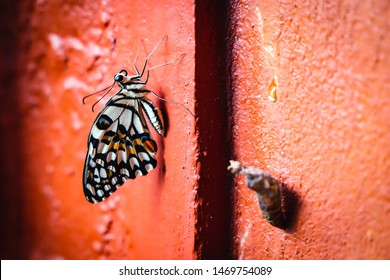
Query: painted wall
[61, 60]
[326, 138]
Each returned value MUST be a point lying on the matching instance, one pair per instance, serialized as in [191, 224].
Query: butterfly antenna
[174, 102]
[104, 95]
[89, 95]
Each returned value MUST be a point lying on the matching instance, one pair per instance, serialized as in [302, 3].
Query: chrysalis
[267, 191]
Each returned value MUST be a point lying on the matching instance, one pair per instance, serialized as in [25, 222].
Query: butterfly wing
[120, 147]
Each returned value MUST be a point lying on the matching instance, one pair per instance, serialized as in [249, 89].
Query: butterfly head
[123, 79]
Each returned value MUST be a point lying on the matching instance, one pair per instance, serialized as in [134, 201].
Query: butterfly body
[120, 145]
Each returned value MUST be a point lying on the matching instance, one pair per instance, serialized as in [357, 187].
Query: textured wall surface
[64, 58]
[326, 138]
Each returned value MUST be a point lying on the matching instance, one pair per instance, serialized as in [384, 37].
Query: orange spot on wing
[150, 146]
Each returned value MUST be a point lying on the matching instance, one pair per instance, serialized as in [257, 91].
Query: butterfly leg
[151, 53]
[135, 60]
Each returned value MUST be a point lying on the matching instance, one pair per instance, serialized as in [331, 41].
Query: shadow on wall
[291, 205]
[11, 165]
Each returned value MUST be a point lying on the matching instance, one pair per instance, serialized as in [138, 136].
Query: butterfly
[120, 145]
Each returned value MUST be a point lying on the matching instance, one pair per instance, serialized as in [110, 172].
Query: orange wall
[327, 137]
[64, 58]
